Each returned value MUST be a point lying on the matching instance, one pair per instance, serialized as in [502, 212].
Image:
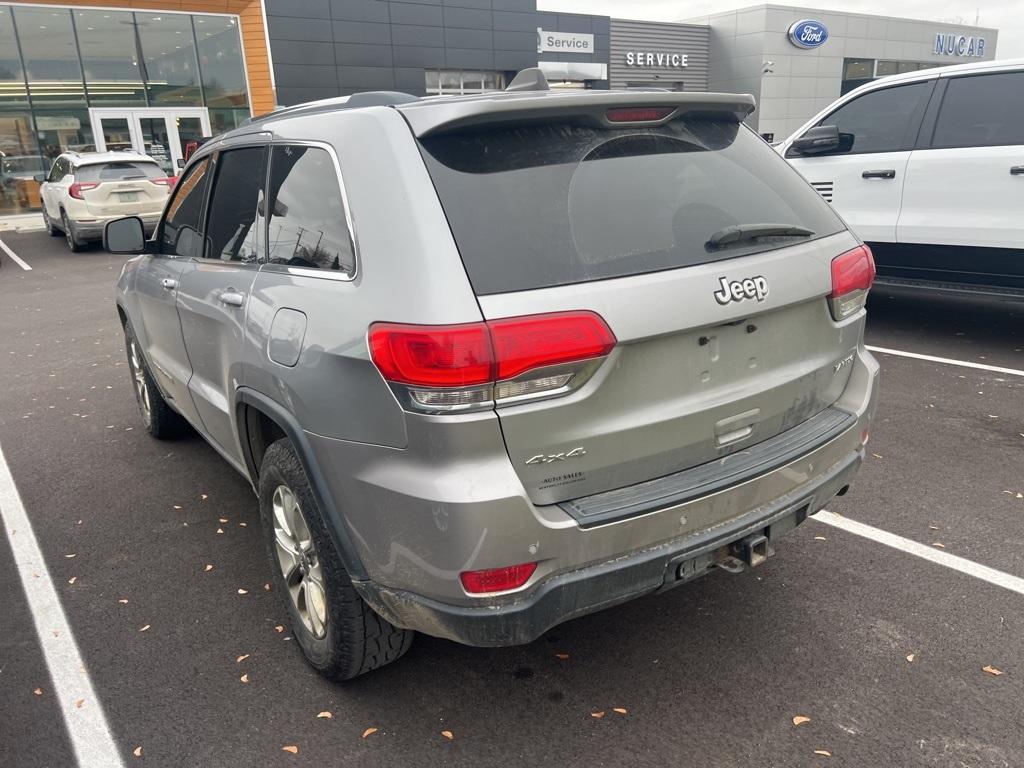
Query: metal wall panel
[659, 38]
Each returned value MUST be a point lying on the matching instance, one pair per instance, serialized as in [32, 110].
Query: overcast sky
[1005, 15]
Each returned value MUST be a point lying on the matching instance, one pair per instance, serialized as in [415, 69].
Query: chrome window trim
[323, 274]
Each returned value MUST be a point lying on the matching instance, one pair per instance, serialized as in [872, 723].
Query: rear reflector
[638, 114]
[853, 273]
[79, 187]
[475, 354]
[497, 579]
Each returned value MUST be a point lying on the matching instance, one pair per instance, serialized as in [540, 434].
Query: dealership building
[157, 75]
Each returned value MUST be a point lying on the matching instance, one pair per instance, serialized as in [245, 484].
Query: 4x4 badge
[551, 458]
[740, 290]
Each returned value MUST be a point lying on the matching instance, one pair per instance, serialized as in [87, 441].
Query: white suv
[928, 168]
[84, 191]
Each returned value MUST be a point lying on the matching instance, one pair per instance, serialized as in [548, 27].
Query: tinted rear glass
[550, 204]
[120, 171]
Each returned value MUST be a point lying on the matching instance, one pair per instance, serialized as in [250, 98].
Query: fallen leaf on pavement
[369, 732]
[279, 629]
[37, 691]
[289, 747]
[448, 735]
[70, 556]
[910, 658]
[801, 719]
[325, 715]
[143, 629]
[243, 591]
[241, 658]
[177, 507]
[244, 678]
[137, 751]
[208, 568]
[620, 710]
[123, 601]
[562, 656]
[992, 670]
[877, 456]
[820, 538]
[597, 715]
[222, 519]
[220, 530]
[79, 703]
[244, 525]
[933, 527]
[203, 496]
[72, 580]
[266, 587]
[823, 752]
[938, 544]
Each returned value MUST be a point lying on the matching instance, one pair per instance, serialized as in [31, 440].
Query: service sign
[564, 42]
[662, 60]
[807, 34]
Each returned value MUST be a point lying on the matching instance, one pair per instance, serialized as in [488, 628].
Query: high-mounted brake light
[79, 187]
[497, 579]
[638, 114]
[456, 367]
[853, 273]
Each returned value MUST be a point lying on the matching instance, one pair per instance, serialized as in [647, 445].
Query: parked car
[84, 191]
[928, 168]
[492, 363]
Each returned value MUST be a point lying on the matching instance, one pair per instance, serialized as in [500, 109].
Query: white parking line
[87, 727]
[6, 249]
[937, 556]
[947, 361]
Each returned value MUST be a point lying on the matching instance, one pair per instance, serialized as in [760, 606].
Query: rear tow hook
[748, 552]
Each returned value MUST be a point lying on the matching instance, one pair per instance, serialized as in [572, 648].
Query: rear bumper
[92, 229]
[586, 590]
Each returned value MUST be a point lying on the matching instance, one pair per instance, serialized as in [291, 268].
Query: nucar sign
[808, 33]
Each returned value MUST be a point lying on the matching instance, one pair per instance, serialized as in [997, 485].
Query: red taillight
[79, 187]
[484, 353]
[497, 579]
[524, 343]
[638, 114]
[433, 356]
[162, 182]
[853, 273]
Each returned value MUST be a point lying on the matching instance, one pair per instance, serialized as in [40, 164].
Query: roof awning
[573, 70]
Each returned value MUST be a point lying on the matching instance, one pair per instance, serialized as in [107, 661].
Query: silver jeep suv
[498, 361]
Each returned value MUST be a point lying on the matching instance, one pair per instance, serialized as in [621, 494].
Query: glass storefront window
[169, 58]
[20, 164]
[106, 40]
[225, 119]
[50, 56]
[455, 81]
[12, 78]
[64, 130]
[220, 61]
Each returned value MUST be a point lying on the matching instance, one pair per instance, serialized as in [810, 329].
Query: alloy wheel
[139, 379]
[299, 562]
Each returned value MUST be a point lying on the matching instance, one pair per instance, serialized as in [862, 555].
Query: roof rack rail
[530, 79]
[355, 101]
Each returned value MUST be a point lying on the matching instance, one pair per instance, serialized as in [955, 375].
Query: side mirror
[180, 162]
[124, 235]
[819, 140]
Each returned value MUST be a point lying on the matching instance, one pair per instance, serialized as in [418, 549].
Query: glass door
[167, 135]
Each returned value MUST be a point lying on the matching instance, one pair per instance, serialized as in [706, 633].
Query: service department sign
[564, 42]
[807, 34]
[662, 60]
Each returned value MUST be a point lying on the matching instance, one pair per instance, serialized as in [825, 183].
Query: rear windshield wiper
[744, 232]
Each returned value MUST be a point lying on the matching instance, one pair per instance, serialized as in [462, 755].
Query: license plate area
[127, 197]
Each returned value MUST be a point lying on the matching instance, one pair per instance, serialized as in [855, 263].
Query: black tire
[354, 640]
[160, 420]
[74, 244]
[51, 230]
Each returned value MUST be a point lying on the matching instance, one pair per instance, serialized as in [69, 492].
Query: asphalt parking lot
[882, 650]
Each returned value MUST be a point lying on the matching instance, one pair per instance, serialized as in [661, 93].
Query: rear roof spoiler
[429, 116]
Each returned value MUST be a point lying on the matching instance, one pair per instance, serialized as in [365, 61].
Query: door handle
[169, 283]
[231, 298]
[887, 174]
[1017, 170]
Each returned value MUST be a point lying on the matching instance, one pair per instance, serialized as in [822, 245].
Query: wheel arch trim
[336, 525]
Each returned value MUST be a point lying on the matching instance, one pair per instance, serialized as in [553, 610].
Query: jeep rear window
[538, 205]
[119, 171]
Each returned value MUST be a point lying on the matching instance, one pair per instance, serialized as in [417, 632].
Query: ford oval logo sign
[808, 33]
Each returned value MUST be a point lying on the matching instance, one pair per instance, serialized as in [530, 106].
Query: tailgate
[123, 188]
[690, 381]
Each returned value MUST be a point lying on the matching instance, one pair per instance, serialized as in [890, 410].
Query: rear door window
[549, 204]
[232, 230]
[308, 220]
[982, 111]
[119, 171]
